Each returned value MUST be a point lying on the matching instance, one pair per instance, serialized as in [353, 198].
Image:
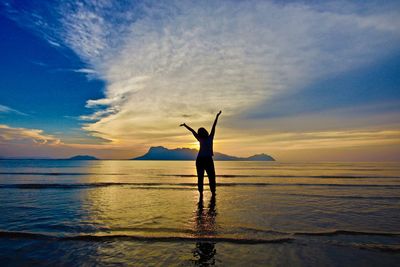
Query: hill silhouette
[162, 153]
[82, 157]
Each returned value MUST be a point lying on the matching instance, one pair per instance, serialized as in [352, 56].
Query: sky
[299, 80]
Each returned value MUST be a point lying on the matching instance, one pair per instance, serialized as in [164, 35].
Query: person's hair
[202, 132]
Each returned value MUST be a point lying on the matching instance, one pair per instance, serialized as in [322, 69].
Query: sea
[148, 213]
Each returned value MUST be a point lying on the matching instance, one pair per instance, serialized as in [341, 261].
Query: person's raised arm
[190, 129]
[215, 124]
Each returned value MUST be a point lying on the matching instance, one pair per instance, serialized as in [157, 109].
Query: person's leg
[200, 175]
[211, 174]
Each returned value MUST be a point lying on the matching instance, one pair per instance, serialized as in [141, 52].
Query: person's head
[202, 133]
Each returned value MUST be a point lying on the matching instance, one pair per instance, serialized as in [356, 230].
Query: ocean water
[147, 213]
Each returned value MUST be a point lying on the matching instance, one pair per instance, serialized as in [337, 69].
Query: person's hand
[183, 124]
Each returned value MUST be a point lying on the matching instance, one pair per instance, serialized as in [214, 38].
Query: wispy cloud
[39, 63]
[328, 139]
[192, 58]
[357, 144]
[9, 135]
[90, 73]
[5, 109]
[34, 143]
[85, 70]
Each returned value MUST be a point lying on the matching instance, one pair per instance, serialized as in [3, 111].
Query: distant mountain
[162, 153]
[83, 157]
[260, 157]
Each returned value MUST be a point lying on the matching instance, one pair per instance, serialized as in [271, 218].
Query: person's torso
[206, 147]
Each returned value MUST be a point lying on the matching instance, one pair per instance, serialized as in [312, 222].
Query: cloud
[357, 144]
[53, 43]
[35, 143]
[164, 62]
[5, 109]
[9, 135]
[85, 71]
[90, 73]
[194, 58]
[329, 139]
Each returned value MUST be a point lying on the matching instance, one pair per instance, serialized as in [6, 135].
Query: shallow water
[56, 212]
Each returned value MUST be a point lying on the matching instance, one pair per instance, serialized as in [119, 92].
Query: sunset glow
[300, 81]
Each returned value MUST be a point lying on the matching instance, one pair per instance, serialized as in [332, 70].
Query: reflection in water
[204, 227]
[148, 223]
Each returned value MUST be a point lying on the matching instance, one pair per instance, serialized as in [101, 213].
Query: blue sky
[112, 79]
[374, 84]
[41, 81]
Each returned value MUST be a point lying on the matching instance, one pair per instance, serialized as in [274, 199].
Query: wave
[109, 237]
[393, 248]
[193, 232]
[27, 235]
[390, 248]
[177, 185]
[180, 239]
[288, 176]
[59, 173]
[323, 233]
[341, 196]
[91, 185]
[346, 232]
[336, 232]
[286, 238]
[194, 176]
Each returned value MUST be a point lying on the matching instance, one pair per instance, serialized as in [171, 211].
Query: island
[82, 157]
[162, 153]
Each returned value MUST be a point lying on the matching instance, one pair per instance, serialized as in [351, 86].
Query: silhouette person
[205, 251]
[204, 160]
